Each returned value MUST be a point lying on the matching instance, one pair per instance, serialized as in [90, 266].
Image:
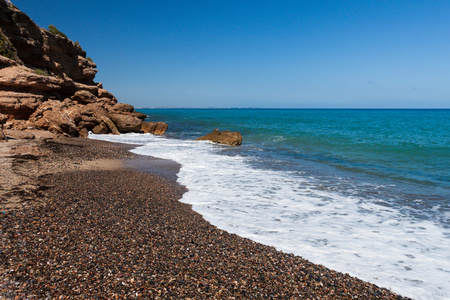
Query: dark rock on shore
[47, 83]
[223, 137]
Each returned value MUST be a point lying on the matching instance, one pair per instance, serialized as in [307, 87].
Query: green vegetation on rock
[41, 72]
[6, 48]
[55, 30]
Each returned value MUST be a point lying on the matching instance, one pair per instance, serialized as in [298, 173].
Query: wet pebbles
[122, 234]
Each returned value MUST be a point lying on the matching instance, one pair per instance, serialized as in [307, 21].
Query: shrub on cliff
[41, 72]
[55, 30]
[6, 48]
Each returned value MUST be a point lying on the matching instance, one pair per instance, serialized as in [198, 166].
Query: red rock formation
[46, 82]
[223, 137]
[157, 128]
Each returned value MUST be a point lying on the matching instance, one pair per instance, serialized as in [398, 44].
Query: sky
[271, 54]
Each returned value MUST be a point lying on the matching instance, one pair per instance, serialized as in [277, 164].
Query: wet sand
[88, 219]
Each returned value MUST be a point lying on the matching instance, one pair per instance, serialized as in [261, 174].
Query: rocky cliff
[47, 83]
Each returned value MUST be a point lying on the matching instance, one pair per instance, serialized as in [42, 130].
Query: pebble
[123, 234]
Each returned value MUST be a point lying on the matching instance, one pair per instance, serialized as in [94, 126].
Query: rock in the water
[223, 137]
[157, 128]
[148, 127]
[161, 127]
[139, 115]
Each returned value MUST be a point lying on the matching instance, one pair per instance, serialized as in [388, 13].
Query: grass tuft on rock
[6, 48]
[41, 72]
[54, 30]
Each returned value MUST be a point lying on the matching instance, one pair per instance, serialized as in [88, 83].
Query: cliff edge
[47, 83]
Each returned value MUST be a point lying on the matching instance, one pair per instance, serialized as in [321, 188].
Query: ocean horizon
[284, 108]
[361, 191]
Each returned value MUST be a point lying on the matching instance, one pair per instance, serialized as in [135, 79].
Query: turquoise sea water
[365, 192]
[407, 151]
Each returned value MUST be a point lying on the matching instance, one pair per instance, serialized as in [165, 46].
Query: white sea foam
[362, 237]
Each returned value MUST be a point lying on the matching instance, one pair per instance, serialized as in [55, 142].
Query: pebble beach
[86, 219]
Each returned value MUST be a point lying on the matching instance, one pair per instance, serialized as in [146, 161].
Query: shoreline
[108, 223]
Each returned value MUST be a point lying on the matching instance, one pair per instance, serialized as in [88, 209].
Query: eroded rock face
[47, 82]
[19, 105]
[52, 116]
[23, 135]
[123, 108]
[41, 49]
[126, 122]
[110, 124]
[84, 97]
[224, 137]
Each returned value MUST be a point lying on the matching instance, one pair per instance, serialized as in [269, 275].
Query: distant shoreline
[264, 108]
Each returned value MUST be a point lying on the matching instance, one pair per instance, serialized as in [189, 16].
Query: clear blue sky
[280, 53]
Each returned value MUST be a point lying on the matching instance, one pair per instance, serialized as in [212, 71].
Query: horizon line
[305, 108]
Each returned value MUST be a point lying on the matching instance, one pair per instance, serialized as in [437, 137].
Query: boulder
[139, 115]
[51, 116]
[123, 107]
[84, 97]
[107, 101]
[88, 123]
[102, 128]
[83, 132]
[102, 93]
[19, 105]
[18, 124]
[21, 135]
[75, 112]
[224, 137]
[23, 78]
[126, 122]
[148, 127]
[94, 109]
[87, 68]
[4, 61]
[157, 128]
[93, 89]
[110, 125]
[161, 127]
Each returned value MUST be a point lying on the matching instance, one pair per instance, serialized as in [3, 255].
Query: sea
[364, 192]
